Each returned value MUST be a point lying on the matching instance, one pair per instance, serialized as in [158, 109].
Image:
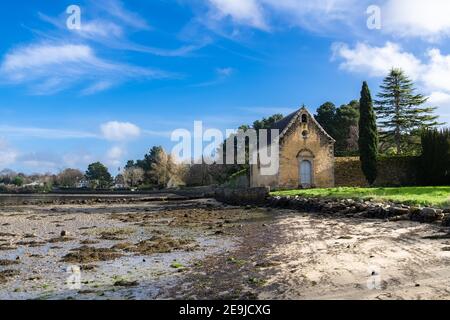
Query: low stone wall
[392, 172]
[361, 209]
[242, 196]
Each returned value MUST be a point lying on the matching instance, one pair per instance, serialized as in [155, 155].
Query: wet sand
[200, 249]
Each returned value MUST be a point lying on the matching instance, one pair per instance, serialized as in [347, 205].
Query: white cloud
[225, 72]
[42, 161]
[114, 155]
[111, 30]
[221, 75]
[247, 12]
[78, 159]
[115, 152]
[417, 18]
[117, 9]
[431, 73]
[49, 68]
[45, 133]
[439, 98]
[7, 154]
[120, 131]
[376, 61]
[98, 87]
[442, 101]
[100, 28]
[436, 73]
[268, 15]
[26, 58]
[428, 20]
[313, 14]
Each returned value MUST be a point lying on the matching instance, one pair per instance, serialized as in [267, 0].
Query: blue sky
[137, 70]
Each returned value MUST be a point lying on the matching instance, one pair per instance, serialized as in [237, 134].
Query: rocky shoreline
[362, 209]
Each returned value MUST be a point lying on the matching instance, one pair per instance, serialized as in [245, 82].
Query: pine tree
[400, 110]
[368, 135]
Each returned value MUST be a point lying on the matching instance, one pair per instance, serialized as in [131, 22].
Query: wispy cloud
[111, 131]
[242, 12]
[405, 18]
[270, 15]
[62, 59]
[45, 133]
[117, 9]
[48, 68]
[42, 161]
[113, 28]
[8, 154]
[221, 74]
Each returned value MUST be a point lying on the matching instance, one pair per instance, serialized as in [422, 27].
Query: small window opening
[304, 118]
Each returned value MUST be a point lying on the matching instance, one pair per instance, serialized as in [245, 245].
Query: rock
[398, 211]
[125, 283]
[415, 214]
[380, 213]
[403, 217]
[363, 214]
[429, 215]
[446, 220]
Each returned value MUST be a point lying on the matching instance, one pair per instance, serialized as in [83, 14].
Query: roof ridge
[294, 117]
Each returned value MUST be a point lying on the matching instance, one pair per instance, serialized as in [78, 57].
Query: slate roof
[284, 124]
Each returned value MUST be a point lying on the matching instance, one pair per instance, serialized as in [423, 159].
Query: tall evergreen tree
[346, 128]
[401, 112]
[342, 124]
[368, 135]
[326, 116]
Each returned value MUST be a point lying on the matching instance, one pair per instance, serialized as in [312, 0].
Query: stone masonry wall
[394, 171]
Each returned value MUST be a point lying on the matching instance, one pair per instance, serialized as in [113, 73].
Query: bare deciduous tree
[133, 176]
[69, 178]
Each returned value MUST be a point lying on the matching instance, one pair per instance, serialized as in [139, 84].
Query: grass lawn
[424, 196]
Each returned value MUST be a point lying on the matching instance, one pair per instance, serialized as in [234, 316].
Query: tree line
[397, 123]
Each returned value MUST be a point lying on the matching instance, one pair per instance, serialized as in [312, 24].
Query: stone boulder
[426, 214]
[446, 220]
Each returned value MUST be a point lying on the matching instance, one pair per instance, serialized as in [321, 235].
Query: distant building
[83, 184]
[306, 155]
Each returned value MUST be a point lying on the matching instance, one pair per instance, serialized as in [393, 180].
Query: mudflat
[201, 249]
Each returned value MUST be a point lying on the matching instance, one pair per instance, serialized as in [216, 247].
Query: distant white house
[82, 184]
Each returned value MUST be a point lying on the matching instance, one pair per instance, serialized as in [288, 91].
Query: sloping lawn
[424, 196]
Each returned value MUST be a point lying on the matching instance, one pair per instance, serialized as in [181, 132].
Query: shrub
[434, 163]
